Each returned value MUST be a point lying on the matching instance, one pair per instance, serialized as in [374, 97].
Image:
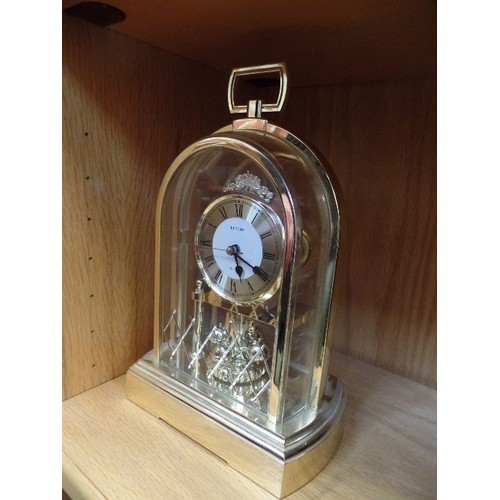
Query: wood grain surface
[324, 42]
[129, 109]
[379, 142]
[113, 449]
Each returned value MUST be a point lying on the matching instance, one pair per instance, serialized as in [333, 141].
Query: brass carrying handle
[258, 70]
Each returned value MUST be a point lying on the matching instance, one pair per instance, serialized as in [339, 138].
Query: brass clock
[247, 235]
[239, 248]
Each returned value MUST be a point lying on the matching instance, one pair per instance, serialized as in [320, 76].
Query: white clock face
[239, 248]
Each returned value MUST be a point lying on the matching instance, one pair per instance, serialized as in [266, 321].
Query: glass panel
[265, 360]
[317, 220]
[221, 348]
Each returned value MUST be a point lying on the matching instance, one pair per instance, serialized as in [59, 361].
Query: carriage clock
[247, 235]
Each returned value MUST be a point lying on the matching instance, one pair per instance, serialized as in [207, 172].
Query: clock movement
[247, 235]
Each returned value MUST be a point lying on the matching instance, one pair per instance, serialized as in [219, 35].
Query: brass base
[279, 477]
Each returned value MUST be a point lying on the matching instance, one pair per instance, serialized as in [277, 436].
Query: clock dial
[239, 248]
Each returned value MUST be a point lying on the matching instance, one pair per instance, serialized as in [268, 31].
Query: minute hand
[256, 269]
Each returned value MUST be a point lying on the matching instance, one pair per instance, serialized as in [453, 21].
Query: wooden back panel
[379, 139]
[130, 108]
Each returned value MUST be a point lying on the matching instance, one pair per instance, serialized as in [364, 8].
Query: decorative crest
[251, 183]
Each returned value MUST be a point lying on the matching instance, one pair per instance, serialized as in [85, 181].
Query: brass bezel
[266, 292]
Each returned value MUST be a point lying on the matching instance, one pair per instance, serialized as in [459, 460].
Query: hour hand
[238, 268]
[256, 269]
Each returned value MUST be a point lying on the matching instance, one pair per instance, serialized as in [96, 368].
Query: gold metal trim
[321, 358]
[277, 460]
[278, 476]
[258, 70]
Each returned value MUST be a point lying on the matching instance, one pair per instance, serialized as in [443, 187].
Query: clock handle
[254, 108]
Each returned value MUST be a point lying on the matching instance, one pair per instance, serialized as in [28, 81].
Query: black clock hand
[238, 268]
[230, 252]
[234, 250]
[256, 269]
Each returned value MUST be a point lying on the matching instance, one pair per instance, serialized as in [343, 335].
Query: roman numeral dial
[239, 247]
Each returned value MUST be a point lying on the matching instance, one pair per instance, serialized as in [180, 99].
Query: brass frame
[280, 459]
[278, 475]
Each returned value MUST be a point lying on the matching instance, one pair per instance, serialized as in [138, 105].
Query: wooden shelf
[324, 42]
[113, 449]
[131, 107]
